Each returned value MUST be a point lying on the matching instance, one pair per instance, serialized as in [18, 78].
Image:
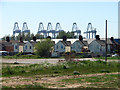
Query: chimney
[97, 37]
[64, 38]
[21, 39]
[7, 39]
[112, 38]
[34, 39]
[80, 38]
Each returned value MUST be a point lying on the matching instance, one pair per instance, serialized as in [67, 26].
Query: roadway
[37, 61]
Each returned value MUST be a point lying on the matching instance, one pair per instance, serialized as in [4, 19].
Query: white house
[62, 46]
[98, 47]
[16, 47]
[79, 45]
[26, 47]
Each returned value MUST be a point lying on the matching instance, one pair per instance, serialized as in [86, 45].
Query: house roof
[101, 42]
[84, 43]
[6, 43]
[33, 43]
[21, 43]
[89, 40]
[11, 41]
[108, 40]
[66, 43]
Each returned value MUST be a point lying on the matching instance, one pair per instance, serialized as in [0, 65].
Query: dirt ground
[48, 81]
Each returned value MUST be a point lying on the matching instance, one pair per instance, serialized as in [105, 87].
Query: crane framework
[16, 29]
[49, 31]
[90, 30]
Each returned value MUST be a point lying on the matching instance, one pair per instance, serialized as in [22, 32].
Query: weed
[76, 73]
[66, 68]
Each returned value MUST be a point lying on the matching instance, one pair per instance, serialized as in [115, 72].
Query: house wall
[21, 48]
[0, 47]
[109, 48]
[97, 48]
[9, 48]
[28, 47]
[67, 49]
[59, 47]
[76, 46]
[16, 47]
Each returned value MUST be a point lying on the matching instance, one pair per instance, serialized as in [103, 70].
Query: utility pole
[106, 43]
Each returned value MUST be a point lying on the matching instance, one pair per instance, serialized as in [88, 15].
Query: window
[78, 46]
[73, 47]
[57, 46]
[15, 46]
[97, 46]
[62, 46]
[30, 47]
[26, 47]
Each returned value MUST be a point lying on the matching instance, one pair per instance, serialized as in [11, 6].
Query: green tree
[27, 37]
[61, 34]
[38, 36]
[68, 34]
[43, 48]
[12, 37]
[3, 38]
[18, 37]
[31, 36]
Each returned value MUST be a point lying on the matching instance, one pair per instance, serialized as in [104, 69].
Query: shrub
[65, 67]
[9, 71]
[56, 72]
[69, 56]
[76, 73]
[105, 71]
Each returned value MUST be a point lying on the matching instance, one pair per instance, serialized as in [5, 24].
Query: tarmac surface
[52, 61]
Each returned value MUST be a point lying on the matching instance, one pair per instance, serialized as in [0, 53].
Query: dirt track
[51, 82]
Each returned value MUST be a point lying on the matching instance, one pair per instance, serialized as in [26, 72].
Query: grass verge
[66, 68]
[105, 81]
[110, 58]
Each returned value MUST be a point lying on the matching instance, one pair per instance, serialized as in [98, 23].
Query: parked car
[4, 53]
[115, 55]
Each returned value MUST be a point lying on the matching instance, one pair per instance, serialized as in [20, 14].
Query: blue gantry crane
[75, 29]
[16, 29]
[41, 30]
[90, 29]
[25, 29]
[49, 31]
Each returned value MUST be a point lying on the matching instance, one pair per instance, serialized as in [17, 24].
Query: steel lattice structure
[16, 29]
[41, 30]
[25, 28]
[49, 30]
[75, 29]
[90, 29]
[54, 32]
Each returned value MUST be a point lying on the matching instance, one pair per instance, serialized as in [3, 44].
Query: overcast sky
[64, 12]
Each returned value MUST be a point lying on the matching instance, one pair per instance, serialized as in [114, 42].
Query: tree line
[28, 36]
